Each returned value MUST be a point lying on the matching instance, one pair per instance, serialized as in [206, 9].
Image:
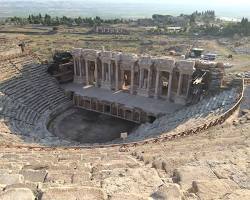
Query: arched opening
[164, 82]
[151, 118]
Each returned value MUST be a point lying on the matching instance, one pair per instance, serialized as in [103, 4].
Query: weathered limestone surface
[8, 179]
[34, 175]
[171, 191]
[17, 194]
[239, 194]
[67, 193]
[215, 189]
[186, 174]
[125, 196]
[132, 181]
[212, 165]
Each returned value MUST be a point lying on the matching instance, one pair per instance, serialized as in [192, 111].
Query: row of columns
[106, 77]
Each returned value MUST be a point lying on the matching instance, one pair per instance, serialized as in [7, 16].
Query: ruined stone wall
[216, 73]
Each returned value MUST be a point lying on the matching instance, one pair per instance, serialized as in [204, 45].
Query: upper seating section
[26, 92]
[189, 117]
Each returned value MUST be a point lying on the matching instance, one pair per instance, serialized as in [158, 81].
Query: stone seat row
[21, 128]
[50, 90]
[29, 97]
[26, 94]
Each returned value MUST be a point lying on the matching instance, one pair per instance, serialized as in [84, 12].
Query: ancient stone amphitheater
[201, 151]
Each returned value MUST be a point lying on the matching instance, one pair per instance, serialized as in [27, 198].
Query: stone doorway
[91, 72]
[145, 79]
[126, 80]
[164, 83]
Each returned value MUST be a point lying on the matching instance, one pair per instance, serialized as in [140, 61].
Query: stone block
[168, 192]
[185, 175]
[34, 175]
[136, 181]
[214, 189]
[70, 193]
[17, 194]
[126, 196]
[240, 194]
[9, 179]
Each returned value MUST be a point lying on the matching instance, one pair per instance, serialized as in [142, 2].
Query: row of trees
[230, 29]
[241, 28]
[206, 16]
[55, 21]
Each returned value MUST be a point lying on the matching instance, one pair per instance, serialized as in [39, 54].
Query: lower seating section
[189, 117]
[26, 93]
[94, 174]
[211, 165]
[15, 110]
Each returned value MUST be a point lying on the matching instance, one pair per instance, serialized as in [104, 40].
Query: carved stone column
[87, 71]
[80, 67]
[157, 84]
[109, 67]
[149, 81]
[179, 85]
[117, 76]
[140, 80]
[96, 74]
[170, 84]
[132, 79]
[103, 71]
[74, 66]
[188, 86]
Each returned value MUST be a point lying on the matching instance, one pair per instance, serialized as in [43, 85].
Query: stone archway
[91, 71]
[164, 83]
[126, 80]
